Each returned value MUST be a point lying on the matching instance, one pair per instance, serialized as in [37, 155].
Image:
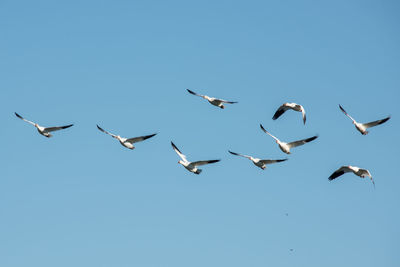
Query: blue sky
[81, 199]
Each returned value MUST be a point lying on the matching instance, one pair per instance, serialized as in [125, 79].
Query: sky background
[81, 199]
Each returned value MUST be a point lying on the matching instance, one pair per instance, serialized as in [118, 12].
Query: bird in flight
[213, 101]
[285, 147]
[287, 106]
[127, 142]
[356, 170]
[191, 166]
[45, 131]
[362, 127]
[261, 163]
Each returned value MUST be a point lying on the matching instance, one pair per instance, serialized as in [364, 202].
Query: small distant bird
[362, 127]
[287, 106]
[213, 101]
[127, 142]
[285, 147]
[356, 170]
[191, 166]
[45, 131]
[262, 163]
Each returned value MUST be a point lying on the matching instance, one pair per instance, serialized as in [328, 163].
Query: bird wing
[280, 111]
[302, 142]
[342, 170]
[265, 131]
[52, 129]
[19, 116]
[342, 109]
[139, 138]
[226, 101]
[375, 123]
[104, 131]
[270, 161]
[303, 113]
[204, 162]
[237, 154]
[182, 156]
[193, 93]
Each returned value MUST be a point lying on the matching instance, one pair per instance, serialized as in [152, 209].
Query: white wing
[226, 101]
[139, 139]
[280, 111]
[303, 113]
[270, 161]
[193, 93]
[104, 131]
[19, 116]
[182, 156]
[204, 162]
[52, 129]
[342, 109]
[237, 154]
[302, 142]
[342, 170]
[265, 131]
[375, 123]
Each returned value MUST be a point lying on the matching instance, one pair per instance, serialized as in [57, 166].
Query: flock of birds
[261, 163]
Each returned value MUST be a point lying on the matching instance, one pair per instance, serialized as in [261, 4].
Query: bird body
[285, 147]
[362, 127]
[191, 166]
[356, 170]
[45, 131]
[286, 106]
[126, 142]
[261, 163]
[212, 100]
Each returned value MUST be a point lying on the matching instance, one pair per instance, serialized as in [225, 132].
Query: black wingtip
[19, 116]
[190, 91]
[67, 126]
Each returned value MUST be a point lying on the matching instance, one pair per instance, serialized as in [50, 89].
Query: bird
[191, 166]
[285, 147]
[127, 142]
[261, 163]
[213, 101]
[45, 131]
[356, 170]
[287, 106]
[362, 127]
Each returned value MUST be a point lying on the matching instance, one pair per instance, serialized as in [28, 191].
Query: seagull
[362, 127]
[285, 147]
[356, 170]
[191, 166]
[287, 106]
[262, 163]
[213, 101]
[45, 131]
[127, 142]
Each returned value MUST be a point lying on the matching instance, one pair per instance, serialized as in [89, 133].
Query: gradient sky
[81, 199]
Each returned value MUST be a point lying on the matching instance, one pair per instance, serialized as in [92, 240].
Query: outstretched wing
[53, 129]
[19, 116]
[182, 156]
[303, 113]
[104, 131]
[204, 162]
[280, 111]
[265, 131]
[193, 93]
[342, 109]
[139, 138]
[302, 142]
[237, 154]
[226, 101]
[342, 170]
[270, 161]
[375, 123]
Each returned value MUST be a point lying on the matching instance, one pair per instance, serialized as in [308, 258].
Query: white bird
[362, 127]
[285, 147]
[261, 163]
[127, 142]
[191, 166]
[356, 170]
[287, 106]
[214, 101]
[45, 131]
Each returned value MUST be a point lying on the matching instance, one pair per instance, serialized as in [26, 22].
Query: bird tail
[198, 171]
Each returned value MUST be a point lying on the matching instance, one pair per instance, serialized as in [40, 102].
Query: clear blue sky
[81, 199]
